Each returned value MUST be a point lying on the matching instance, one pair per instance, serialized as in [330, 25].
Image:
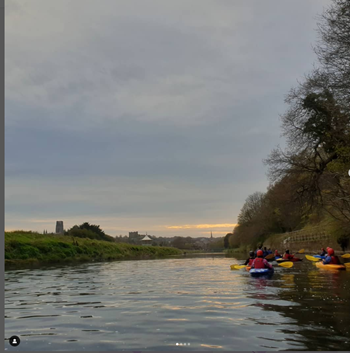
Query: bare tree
[317, 123]
[251, 208]
[333, 49]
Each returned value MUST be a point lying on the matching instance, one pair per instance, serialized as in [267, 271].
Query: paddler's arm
[266, 263]
[327, 260]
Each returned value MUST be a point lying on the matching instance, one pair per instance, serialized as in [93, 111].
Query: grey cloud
[157, 54]
[184, 94]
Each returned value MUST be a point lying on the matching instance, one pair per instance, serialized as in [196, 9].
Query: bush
[90, 231]
[28, 252]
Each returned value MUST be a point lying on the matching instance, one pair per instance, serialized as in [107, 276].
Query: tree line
[92, 231]
[308, 179]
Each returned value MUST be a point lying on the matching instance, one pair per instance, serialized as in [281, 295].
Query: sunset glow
[203, 226]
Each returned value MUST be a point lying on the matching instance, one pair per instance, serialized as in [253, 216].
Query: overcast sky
[146, 115]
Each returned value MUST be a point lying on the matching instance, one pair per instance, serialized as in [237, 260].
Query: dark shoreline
[13, 265]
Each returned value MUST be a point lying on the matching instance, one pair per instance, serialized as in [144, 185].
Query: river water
[157, 304]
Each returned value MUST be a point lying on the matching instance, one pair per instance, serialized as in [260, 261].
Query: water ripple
[155, 304]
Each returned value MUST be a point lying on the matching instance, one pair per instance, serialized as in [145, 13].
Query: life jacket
[251, 262]
[276, 253]
[323, 253]
[334, 260]
[259, 263]
[288, 256]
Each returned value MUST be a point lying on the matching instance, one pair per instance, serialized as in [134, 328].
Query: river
[193, 303]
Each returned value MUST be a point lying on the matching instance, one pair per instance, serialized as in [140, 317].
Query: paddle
[288, 264]
[346, 256]
[311, 258]
[301, 251]
[237, 267]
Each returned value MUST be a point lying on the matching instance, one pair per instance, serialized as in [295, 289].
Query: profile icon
[14, 341]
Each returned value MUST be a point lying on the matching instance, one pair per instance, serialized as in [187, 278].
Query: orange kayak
[330, 266]
[248, 268]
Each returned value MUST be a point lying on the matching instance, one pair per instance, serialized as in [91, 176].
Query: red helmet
[328, 248]
[259, 253]
[330, 251]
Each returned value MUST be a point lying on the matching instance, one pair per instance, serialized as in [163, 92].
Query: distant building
[202, 243]
[59, 227]
[146, 240]
[134, 236]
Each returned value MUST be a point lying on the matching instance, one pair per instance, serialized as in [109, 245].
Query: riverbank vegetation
[309, 180]
[91, 231]
[29, 248]
[198, 244]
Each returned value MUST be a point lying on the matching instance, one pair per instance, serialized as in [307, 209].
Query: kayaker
[269, 251]
[331, 259]
[260, 262]
[265, 253]
[256, 251]
[277, 254]
[250, 260]
[323, 252]
[288, 256]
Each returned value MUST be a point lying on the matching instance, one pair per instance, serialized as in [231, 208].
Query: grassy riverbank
[241, 250]
[24, 249]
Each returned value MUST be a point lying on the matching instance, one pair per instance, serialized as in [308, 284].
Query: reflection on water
[155, 304]
[287, 281]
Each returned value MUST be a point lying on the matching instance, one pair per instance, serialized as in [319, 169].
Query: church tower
[59, 227]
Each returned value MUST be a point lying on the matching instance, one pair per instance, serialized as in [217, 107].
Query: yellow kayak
[330, 266]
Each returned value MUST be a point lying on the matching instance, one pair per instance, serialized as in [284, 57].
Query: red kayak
[294, 259]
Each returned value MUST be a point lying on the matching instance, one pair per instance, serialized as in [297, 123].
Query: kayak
[294, 259]
[319, 256]
[330, 266]
[278, 257]
[257, 272]
[248, 268]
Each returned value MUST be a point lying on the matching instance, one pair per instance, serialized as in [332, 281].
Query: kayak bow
[330, 266]
[257, 272]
